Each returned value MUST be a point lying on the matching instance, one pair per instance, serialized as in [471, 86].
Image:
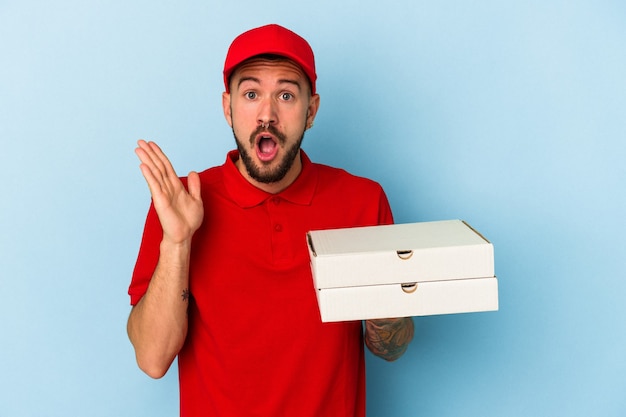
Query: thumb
[193, 184]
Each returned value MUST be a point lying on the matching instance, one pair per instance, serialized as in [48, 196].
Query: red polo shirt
[256, 345]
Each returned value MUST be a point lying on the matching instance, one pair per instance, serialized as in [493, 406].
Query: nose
[267, 113]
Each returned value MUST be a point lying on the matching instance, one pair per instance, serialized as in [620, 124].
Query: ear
[226, 108]
[314, 105]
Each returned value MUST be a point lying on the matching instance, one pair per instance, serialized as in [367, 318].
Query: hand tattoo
[389, 338]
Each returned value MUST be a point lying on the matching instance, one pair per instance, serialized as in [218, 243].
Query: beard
[264, 173]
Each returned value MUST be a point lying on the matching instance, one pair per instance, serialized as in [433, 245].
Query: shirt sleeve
[147, 258]
[385, 215]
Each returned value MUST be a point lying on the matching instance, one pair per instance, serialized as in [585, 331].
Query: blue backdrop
[510, 115]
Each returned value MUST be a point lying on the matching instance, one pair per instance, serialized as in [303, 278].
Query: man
[223, 280]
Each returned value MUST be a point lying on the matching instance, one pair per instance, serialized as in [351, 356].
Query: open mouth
[266, 147]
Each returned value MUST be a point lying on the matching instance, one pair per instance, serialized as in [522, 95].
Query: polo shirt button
[276, 200]
[278, 227]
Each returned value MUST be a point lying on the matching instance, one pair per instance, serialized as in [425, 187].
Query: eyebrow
[281, 81]
[244, 79]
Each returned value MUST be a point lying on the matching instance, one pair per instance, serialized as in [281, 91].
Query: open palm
[180, 210]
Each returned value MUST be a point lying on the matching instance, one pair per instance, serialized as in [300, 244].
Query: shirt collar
[246, 195]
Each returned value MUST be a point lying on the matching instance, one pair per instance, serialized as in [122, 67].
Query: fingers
[156, 167]
[150, 154]
[160, 175]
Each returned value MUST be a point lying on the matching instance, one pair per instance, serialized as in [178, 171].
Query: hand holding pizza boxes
[402, 270]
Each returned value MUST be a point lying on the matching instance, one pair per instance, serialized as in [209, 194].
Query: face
[269, 108]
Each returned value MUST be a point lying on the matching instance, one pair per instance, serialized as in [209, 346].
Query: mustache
[273, 130]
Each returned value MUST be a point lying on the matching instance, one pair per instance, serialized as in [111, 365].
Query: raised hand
[180, 210]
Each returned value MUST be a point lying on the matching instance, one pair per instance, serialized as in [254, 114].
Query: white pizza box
[401, 270]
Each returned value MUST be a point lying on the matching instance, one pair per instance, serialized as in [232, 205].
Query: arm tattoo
[186, 294]
[389, 338]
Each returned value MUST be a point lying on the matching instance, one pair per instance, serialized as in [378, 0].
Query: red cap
[270, 39]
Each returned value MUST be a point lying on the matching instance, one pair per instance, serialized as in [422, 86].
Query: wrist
[175, 254]
[175, 245]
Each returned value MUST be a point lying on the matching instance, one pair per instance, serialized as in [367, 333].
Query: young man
[223, 280]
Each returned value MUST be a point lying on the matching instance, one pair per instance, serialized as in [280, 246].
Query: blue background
[510, 115]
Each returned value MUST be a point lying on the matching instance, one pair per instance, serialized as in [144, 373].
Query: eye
[250, 95]
[286, 96]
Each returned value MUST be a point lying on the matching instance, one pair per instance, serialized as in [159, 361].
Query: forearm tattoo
[186, 294]
[388, 338]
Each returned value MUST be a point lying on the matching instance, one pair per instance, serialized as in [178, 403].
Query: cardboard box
[402, 270]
